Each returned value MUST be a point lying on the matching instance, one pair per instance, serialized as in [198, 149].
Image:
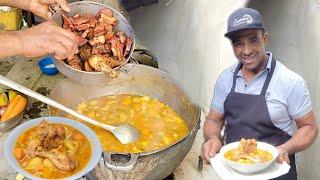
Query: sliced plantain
[3, 99]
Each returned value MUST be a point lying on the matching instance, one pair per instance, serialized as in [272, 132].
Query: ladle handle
[40, 97]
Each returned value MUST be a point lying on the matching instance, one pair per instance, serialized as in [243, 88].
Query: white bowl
[249, 168]
[92, 137]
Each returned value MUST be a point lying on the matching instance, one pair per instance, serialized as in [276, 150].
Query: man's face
[249, 47]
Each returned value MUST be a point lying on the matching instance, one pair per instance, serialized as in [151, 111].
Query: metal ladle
[125, 133]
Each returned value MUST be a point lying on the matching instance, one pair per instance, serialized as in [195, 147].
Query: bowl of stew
[249, 156]
[52, 148]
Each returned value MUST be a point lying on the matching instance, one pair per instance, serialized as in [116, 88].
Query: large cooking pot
[141, 80]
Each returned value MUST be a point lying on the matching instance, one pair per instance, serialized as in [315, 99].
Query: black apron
[247, 116]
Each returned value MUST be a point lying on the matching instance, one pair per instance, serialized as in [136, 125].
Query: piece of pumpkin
[48, 163]
[18, 153]
[15, 107]
[34, 163]
[72, 146]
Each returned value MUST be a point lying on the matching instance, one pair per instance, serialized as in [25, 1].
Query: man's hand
[210, 148]
[283, 155]
[41, 7]
[47, 38]
[212, 134]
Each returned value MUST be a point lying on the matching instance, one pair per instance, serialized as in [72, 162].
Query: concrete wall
[293, 26]
[187, 38]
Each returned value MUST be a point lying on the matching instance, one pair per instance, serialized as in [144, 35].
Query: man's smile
[248, 59]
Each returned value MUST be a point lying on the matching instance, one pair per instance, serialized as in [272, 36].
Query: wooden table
[25, 71]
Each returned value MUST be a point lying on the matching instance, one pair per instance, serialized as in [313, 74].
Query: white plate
[227, 173]
[96, 149]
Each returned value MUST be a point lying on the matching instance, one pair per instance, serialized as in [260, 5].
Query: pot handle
[127, 71]
[53, 8]
[197, 127]
[113, 165]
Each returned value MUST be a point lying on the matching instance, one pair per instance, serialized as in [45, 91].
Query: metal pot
[142, 80]
[89, 7]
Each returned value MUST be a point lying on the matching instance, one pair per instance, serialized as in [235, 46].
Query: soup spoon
[125, 133]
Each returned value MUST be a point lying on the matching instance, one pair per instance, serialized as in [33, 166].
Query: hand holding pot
[47, 38]
[41, 7]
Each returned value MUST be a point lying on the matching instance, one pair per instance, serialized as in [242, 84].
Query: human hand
[210, 148]
[283, 155]
[41, 7]
[47, 38]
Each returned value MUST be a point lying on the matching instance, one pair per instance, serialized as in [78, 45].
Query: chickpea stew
[160, 126]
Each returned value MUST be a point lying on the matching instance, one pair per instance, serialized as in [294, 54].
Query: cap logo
[245, 19]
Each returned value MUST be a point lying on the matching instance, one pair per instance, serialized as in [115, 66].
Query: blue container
[47, 67]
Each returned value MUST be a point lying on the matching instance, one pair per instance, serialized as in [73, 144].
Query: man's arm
[305, 135]
[212, 134]
[10, 45]
[213, 125]
[22, 4]
[43, 39]
[300, 109]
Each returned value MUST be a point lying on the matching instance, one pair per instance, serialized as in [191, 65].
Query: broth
[160, 126]
[263, 155]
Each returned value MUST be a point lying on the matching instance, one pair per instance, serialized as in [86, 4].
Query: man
[43, 39]
[259, 97]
